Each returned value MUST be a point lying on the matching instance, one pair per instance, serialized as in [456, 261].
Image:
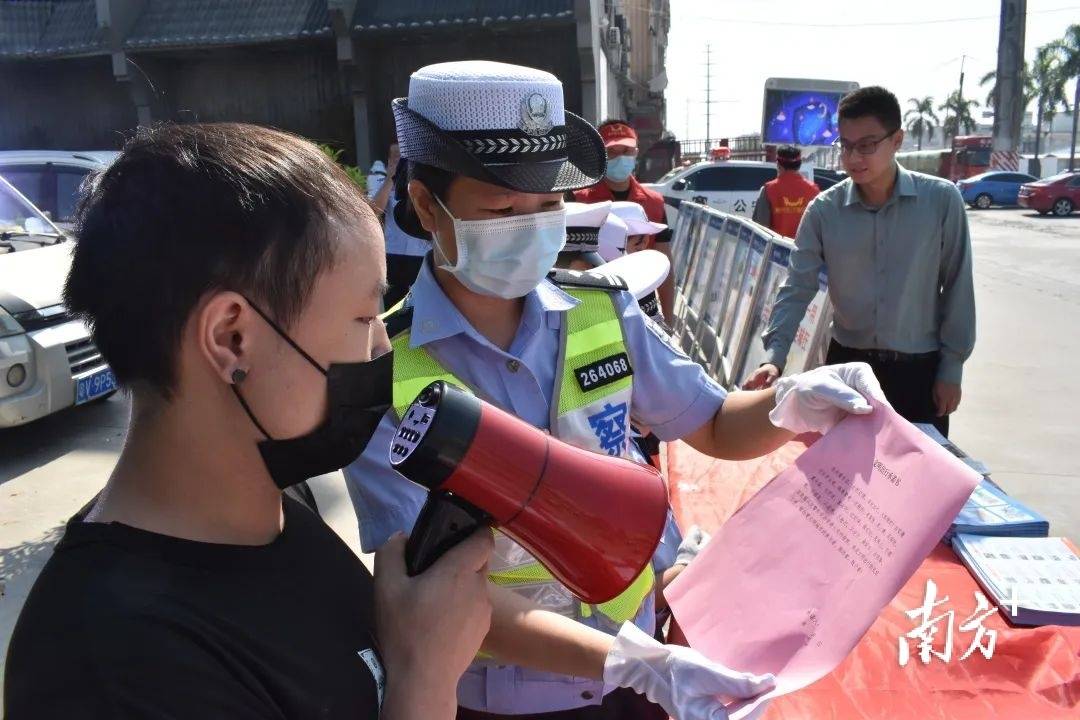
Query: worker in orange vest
[782, 201]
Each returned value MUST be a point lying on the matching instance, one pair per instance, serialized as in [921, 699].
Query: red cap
[618, 134]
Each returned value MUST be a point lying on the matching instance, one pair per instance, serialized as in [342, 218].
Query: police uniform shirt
[126, 623]
[672, 395]
[399, 242]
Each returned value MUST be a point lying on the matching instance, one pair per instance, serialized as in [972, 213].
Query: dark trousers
[401, 272]
[908, 381]
[619, 704]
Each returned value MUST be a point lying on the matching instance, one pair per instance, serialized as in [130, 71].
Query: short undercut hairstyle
[789, 157]
[190, 209]
[873, 101]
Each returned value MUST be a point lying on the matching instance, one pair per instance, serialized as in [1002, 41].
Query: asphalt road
[1018, 415]
[1021, 401]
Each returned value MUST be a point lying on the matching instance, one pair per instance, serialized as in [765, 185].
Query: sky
[912, 47]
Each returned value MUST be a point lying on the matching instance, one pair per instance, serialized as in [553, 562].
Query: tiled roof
[422, 14]
[35, 28]
[227, 22]
[38, 28]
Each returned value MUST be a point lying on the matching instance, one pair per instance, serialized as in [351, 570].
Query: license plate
[94, 386]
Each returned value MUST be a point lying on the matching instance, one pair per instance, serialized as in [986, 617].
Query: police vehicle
[728, 185]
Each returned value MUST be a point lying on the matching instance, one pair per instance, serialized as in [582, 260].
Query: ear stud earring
[238, 376]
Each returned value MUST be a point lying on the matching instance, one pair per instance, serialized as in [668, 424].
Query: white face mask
[504, 257]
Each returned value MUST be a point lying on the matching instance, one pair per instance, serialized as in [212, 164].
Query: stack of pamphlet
[1034, 581]
[989, 510]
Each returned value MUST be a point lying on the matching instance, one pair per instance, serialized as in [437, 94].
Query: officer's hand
[693, 543]
[684, 682]
[816, 400]
[430, 626]
[762, 378]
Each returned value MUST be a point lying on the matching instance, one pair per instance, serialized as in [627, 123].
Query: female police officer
[491, 151]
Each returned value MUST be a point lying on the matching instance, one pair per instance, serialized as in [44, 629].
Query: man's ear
[424, 205]
[222, 328]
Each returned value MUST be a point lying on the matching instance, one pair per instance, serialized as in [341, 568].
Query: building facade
[81, 74]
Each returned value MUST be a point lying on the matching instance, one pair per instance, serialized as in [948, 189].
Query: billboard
[802, 112]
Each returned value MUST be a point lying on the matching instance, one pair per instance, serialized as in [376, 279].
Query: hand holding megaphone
[592, 520]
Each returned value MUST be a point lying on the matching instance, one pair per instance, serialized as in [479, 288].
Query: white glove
[692, 543]
[684, 682]
[816, 400]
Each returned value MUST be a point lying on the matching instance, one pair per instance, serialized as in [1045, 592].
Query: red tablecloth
[1034, 673]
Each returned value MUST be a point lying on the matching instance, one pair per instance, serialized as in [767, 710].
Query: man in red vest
[782, 201]
[619, 183]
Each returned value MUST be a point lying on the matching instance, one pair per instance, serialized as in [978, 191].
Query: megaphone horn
[592, 520]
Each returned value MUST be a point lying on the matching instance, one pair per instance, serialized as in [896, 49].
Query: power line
[903, 23]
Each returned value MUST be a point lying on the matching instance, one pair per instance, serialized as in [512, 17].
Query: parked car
[825, 179]
[1059, 194]
[996, 187]
[48, 360]
[50, 179]
[728, 185]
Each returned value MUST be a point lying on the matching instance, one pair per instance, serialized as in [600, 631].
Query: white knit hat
[499, 123]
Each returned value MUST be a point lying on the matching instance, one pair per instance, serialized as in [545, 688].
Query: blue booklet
[989, 510]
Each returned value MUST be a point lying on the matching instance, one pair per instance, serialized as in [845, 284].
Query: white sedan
[48, 360]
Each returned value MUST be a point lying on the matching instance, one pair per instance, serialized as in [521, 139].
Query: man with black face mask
[232, 276]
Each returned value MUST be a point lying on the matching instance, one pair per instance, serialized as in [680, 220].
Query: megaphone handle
[444, 521]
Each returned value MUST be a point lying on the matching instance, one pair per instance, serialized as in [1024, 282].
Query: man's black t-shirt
[124, 623]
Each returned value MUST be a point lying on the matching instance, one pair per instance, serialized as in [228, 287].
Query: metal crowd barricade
[689, 213]
[729, 264]
[683, 249]
[776, 272]
[698, 285]
[728, 273]
[705, 339]
[812, 338]
[746, 293]
[684, 321]
[727, 332]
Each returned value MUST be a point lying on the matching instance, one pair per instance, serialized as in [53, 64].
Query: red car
[1059, 194]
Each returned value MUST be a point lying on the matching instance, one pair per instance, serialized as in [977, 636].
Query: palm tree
[921, 119]
[959, 118]
[1026, 82]
[1049, 80]
[1068, 49]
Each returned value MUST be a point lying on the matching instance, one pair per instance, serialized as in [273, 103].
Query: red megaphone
[592, 520]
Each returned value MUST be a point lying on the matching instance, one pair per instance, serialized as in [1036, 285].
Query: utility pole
[1009, 86]
[959, 102]
[960, 91]
[708, 98]
[687, 136]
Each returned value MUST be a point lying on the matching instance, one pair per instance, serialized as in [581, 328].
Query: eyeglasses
[865, 146]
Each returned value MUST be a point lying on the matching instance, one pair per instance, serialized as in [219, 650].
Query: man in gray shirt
[895, 245]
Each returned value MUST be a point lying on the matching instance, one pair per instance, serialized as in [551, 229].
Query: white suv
[50, 179]
[728, 185]
[48, 360]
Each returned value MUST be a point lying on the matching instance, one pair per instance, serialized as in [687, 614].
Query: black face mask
[357, 394]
